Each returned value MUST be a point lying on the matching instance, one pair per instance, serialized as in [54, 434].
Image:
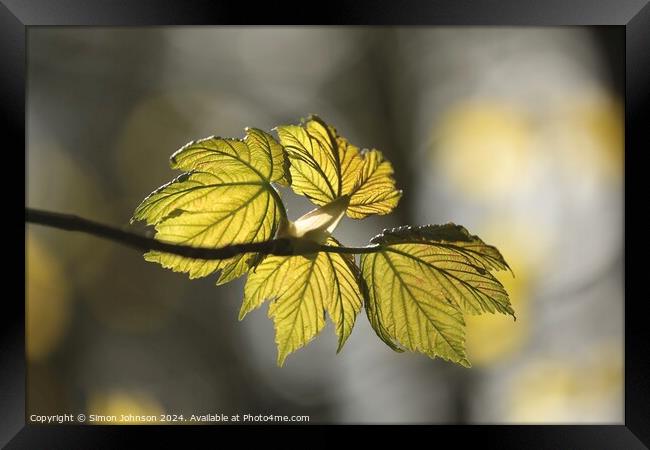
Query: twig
[271, 247]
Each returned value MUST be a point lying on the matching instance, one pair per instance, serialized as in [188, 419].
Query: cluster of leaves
[415, 283]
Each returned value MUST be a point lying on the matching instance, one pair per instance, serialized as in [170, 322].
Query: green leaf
[346, 302]
[415, 286]
[301, 289]
[375, 191]
[325, 166]
[422, 279]
[459, 261]
[225, 198]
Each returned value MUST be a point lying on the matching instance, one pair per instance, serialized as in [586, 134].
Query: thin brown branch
[130, 239]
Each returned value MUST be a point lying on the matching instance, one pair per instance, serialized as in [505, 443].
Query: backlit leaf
[301, 289]
[346, 302]
[226, 197]
[375, 192]
[416, 283]
[421, 281]
[325, 166]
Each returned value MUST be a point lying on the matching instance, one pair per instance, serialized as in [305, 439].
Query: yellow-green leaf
[301, 289]
[325, 166]
[420, 282]
[416, 283]
[375, 192]
[226, 198]
[257, 156]
[460, 262]
[347, 300]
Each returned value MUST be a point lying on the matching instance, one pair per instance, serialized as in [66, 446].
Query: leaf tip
[245, 309]
[465, 363]
[340, 345]
[222, 280]
[281, 359]
[312, 116]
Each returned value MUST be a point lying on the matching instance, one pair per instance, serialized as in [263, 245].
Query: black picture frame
[634, 15]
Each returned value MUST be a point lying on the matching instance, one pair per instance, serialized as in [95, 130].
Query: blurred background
[515, 133]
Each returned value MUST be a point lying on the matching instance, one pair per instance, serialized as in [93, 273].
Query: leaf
[258, 153]
[301, 289]
[325, 166]
[346, 302]
[422, 279]
[375, 192]
[416, 283]
[225, 198]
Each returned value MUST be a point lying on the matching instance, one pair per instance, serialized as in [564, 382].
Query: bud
[317, 225]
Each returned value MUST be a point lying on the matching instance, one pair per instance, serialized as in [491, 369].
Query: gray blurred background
[516, 133]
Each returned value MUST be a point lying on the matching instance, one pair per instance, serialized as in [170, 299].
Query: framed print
[373, 213]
